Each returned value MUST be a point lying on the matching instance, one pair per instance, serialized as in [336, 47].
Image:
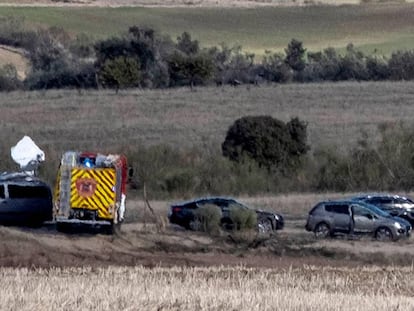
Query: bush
[377, 68]
[63, 75]
[232, 66]
[179, 181]
[242, 218]
[120, 73]
[207, 218]
[143, 45]
[401, 65]
[268, 141]
[274, 68]
[9, 80]
[189, 69]
[295, 55]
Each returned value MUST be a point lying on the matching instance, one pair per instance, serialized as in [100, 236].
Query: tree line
[144, 58]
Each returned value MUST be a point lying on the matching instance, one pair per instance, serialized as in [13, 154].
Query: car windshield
[376, 210]
[408, 200]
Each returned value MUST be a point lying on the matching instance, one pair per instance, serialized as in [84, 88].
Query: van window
[2, 192]
[27, 192]
[360, 211]
[401, 201]
[337, 208]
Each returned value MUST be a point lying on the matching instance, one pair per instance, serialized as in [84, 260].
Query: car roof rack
[6, 176]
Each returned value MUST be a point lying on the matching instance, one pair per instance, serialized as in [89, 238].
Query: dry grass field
[217, 288]
[337, 114]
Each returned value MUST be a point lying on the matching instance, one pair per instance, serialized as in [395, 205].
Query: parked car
[329, 218]
[183, 214]
[396, 205]
[24, 200]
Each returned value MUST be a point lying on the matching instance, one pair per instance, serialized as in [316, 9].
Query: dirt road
[173, 3]
[141, 244]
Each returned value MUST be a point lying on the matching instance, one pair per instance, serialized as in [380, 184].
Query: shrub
[353, 65]
[274, 68]
[233, 66]
[145, 46]
[207, 218]
[377, 68]
[63, 75]
[295, 55]
[401, 65]
[9, 80]
[242, 218]
[189, 69]
[120, 72]
[179, 181]
[268, 141]
[325, 65]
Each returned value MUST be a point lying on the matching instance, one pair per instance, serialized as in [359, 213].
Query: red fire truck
[90, 191]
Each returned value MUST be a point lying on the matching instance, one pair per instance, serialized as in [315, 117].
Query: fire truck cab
[90, 190]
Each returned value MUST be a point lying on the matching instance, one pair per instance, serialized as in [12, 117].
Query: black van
[24, 200]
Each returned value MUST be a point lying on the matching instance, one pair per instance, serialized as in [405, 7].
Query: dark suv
[352, 217]
[24, 200]
[183, 214]
[396, 205]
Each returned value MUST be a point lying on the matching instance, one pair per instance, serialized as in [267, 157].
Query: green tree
[295, 55]
[189, 69]
[274, 68]
[186, 45]
[121, 72]
[268, 141]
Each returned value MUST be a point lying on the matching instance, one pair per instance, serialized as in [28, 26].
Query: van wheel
[322, 231]
[384, 234]
[264, 226]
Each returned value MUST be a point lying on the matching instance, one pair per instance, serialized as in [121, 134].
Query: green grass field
[381, 28]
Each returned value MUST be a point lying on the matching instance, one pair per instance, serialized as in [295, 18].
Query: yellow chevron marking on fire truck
[93, 189]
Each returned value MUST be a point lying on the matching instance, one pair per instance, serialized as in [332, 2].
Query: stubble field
[218, 288]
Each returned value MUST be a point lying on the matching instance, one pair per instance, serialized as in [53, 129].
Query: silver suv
[350, 217]
[396, 205]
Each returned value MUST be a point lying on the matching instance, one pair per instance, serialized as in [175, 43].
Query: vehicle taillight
[176, 209]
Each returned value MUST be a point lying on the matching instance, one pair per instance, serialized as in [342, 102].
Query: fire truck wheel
[115, 229]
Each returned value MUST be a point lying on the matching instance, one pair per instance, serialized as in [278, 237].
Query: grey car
[396, 205]
[329, 218]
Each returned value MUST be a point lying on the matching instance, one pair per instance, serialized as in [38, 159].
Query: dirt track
[143, 245]
[173, 3]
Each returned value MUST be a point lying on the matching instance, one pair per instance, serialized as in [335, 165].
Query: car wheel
[196, 225]
[384, 234]
[322, 230]
[264, 226]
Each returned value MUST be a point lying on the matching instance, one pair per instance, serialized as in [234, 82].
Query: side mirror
[130, 172]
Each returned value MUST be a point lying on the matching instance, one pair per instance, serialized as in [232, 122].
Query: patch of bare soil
[16, 57]
[143, 245]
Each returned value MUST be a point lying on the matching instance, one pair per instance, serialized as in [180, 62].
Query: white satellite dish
[27, 155]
